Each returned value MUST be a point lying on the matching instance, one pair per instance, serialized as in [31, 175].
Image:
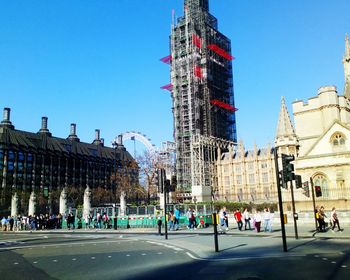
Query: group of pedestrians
[39, 222]
[248, 220]
[321, 217]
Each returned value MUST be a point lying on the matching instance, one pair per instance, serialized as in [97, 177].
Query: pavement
[201, 241]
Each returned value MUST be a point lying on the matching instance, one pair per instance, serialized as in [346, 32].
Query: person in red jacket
[238, 217]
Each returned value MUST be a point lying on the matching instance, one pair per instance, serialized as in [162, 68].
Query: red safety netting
[220, 51]
[196, 40]
[168, 87]
[223, 105]
[166, 59]
[198, 71]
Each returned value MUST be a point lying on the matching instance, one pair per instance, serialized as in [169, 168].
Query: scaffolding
[202, 91]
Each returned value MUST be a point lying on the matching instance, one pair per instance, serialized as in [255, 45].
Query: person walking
[223, 218]
[190, 217]
[267, 218]
[335, 220]
[238, 217]
[246, 217]
[322, 216]
[257, 218]
[176, 218]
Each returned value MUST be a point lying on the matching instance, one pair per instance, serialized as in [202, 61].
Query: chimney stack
[73, 135]
[97, 134]
[98, 140]
[6, 120]
[43, 128]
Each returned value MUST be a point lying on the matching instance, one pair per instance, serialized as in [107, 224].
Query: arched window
[321, 180]
[338, 139]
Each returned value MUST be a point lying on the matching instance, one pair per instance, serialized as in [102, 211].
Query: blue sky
[96, 62]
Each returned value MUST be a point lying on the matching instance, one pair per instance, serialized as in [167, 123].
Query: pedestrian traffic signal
[288, 168]
[318, 191]
[159, 179]
[283, 184]
[306, 189]
[298, 183]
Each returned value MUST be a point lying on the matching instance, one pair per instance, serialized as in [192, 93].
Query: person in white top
[267, 218]
[246, 219]
[257, 219]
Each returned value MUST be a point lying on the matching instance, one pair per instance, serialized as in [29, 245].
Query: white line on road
[15, 263]
[343, 266]
[93, 258]
[241, 258]
[109, 256]
[74, 259]
[143, 254]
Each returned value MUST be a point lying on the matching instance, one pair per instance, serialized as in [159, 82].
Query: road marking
[343, 266]
[35, 262]
[74, 259]
[241, 258]
[93, 258]
[128, 255]
[333, 262]
[109, 256]
[159, 253]
[55, 260]
[324, 259]
[15, 263]
[61, 245]
[143, 254]
[316, 256]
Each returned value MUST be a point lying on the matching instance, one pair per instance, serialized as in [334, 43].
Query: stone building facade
[41, 163]
[320, 142]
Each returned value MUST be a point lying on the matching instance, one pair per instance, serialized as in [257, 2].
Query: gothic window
[227, 181]
[250, 166]
[265, 178]
[251, 179]
[321, 180]
[239, 179]
[338, 140]
[238, 168]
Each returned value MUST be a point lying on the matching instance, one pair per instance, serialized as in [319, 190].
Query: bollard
[159, 223]
[215, 232]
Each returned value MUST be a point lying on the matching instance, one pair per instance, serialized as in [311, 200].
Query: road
[90, 255]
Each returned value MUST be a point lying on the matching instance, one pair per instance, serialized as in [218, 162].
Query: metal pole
[280, 205]
[313, 201]
[294, 213]
[214, 215]
[165, 194]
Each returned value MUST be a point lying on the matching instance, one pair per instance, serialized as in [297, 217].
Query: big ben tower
[202, 87]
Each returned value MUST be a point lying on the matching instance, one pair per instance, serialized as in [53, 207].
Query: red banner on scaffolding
[223, 105]
[166, 59]
[196, 40]
[198, 71]
[220, 51]
[168, 87]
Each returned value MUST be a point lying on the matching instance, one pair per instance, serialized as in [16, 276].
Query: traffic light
[282, 183]
[288, 168]
[318, 191]
[160, 179]
[298, 183]
[306, 189]
[167, 185]
[173, 184]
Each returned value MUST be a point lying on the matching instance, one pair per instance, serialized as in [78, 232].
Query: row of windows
[250, 166]
[251, 179]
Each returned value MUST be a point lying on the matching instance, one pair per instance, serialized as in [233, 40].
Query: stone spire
[346, 62]
[285, 133]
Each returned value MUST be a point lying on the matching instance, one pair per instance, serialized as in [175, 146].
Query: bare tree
[148, 163]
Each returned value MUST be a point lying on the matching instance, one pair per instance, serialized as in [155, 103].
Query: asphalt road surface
[184, 256]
